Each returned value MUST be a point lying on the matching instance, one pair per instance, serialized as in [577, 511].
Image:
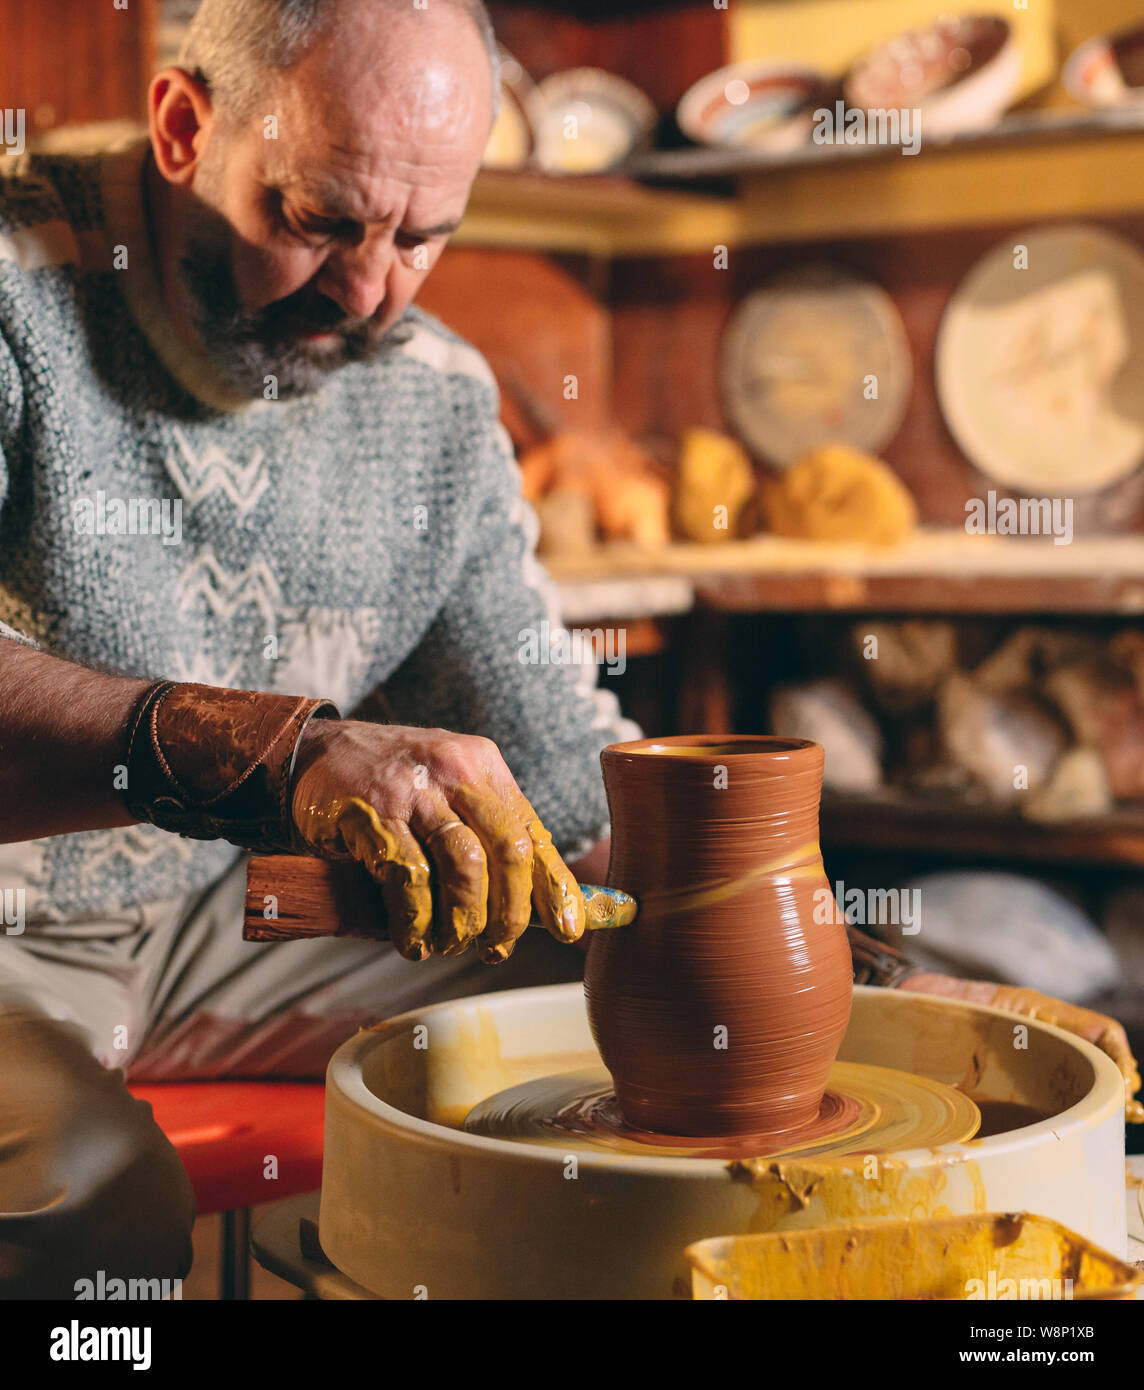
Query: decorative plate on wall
[816, 356]
[1040, 361]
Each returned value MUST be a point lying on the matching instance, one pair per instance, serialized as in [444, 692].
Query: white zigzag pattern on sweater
[214, 471]
[225, 593]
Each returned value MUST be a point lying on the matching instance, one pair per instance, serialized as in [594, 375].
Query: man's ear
[181, 115]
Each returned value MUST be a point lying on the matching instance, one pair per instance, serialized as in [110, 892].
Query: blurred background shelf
[1019, 130]
[896, 821]
[1036, 165]
[593, 215]
[935, 571]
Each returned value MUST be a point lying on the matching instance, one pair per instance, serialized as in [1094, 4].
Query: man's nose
[356, 278]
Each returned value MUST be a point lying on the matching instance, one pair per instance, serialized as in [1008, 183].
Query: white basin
[412, 1206]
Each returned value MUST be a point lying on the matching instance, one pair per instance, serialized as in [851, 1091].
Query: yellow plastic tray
[993, 1255]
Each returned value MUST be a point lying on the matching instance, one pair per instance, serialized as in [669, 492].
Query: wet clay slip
[722, 1008]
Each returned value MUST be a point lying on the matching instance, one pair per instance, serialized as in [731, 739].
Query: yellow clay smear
[803, 862]
[959, 1257]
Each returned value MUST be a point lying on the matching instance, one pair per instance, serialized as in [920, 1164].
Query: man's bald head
[311, 159]
[234, 45]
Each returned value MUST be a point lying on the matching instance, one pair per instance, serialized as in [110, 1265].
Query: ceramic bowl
[961, 72]
[755, 104]
[587, 121]
[1108, 71]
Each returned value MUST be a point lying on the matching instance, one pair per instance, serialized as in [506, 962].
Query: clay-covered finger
[559, 904]
[394, 858]
[462, 885]
[320, 826]
[508, 851]
[1114, 1042]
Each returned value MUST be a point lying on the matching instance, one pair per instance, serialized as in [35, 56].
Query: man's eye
[410, 243]
[310, 226]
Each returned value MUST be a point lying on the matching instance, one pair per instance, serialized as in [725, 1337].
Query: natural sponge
[714, 483]
[840, 494]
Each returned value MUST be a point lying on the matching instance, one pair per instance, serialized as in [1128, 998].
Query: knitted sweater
[369, 538]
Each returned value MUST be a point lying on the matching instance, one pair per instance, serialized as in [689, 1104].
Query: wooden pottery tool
[293, 897]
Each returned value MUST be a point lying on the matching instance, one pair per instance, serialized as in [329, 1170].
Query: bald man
[247, 491]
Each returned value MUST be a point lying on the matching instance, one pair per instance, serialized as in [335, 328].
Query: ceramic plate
[802, 361]
[756, 104]
[587, 120]
[1040, 372]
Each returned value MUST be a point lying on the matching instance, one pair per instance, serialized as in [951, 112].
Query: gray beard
[262, 353]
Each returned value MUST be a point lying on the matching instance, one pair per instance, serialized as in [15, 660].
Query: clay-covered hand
[1098, 1029]
[439, 822]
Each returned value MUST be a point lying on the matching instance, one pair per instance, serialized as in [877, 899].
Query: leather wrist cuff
[215, 764]
[875, 963]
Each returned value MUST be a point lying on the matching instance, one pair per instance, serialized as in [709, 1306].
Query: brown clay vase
[722, 1008]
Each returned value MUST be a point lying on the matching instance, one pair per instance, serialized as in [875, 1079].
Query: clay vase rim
[755, 749]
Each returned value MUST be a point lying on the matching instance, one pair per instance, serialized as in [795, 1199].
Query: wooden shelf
[934, 572]
[1020, 130]
[898, 822]
[593, 215]
[1035, 166]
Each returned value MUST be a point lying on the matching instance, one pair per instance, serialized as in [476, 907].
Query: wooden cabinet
[70, 61]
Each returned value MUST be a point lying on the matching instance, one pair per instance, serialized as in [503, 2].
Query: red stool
[241, 1142]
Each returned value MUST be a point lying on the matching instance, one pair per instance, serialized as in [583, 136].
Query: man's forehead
[363, 99]
[377, 195]
[360, 133]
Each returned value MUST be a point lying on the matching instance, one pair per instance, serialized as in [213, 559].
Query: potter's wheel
[866, 1109]
[412, 1202]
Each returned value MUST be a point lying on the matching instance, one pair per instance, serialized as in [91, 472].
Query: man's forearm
[63, 732]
